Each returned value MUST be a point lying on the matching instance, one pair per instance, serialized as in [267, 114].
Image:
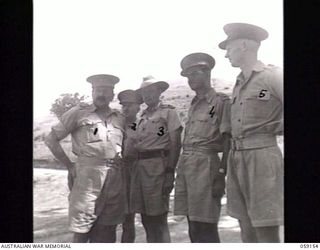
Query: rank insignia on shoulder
[167, 106]
[118, 112]
[84, 105]
[223, 96]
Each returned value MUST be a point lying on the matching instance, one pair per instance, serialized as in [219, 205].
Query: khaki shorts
[96, 197]
[146, 187]
[127, 173]
[112, 200]
[255, 186]
[193, 189]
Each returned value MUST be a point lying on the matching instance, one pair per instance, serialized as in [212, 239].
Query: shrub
[65, 102]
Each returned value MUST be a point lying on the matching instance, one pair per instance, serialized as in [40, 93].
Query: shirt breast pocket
[258, 104]
[203, 125]
[115, 134]
[92, 131]
[156, 126]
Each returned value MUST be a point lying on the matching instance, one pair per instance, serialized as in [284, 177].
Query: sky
[74, 39]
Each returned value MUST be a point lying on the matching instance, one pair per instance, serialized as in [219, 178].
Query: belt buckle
[233, 144]
[236, 144]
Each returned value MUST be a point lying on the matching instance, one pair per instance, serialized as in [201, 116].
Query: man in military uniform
[255, 165]
[158, 148]
[200, 178]
[130, 101]
[96, 201]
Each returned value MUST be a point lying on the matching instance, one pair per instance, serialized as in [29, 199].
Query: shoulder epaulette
[167, 106]
[271, 66]
[118, 112]
[223, 96]
[83, 105]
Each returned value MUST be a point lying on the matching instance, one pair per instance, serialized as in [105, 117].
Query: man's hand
[224, 164]
[53, 144]
[218, 186]
[168, 184]
[71, 175]
[118, 159]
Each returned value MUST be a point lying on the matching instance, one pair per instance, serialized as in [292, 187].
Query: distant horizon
[182, 82]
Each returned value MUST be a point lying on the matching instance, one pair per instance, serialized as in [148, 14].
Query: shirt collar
[258, 67]
[209, 96]
[92, 108]
[148, 109]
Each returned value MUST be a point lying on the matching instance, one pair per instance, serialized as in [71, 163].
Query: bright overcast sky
[74, 39]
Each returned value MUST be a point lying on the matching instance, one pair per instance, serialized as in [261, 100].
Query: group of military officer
[128, 164]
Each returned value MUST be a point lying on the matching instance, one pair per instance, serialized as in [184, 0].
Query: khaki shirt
[208, 118]
[92, 137]
[154, 127]
[257, 104]
[130, 139]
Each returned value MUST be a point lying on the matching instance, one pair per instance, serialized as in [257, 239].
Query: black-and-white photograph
[158, 121]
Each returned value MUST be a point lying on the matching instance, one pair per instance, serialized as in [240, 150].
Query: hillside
[179, 95]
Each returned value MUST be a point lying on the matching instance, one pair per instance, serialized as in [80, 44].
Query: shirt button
[240, 103]
[239, 120]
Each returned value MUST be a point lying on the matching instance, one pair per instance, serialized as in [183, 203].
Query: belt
[253, 141]
[91, 161]
[187, 149]
[129, 158]
[153, 154]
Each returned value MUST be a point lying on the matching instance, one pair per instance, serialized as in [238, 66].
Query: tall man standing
[255, 166]
[130, 101]
[158, 148]
[200, 179]
[96, 201]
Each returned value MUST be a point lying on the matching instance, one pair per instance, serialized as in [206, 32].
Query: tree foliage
[66, 102]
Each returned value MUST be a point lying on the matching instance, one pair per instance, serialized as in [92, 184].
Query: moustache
[101, 98]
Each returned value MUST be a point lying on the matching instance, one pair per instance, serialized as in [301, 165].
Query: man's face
[130, 110]
[150, 95]
[102, 96]
[235, 52]
[198, 77]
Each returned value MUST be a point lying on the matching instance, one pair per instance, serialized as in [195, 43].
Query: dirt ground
[50, 201]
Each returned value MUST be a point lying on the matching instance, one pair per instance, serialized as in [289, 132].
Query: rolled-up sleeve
[173, 120]
[275, 81]
[67, 124]
[225, 121]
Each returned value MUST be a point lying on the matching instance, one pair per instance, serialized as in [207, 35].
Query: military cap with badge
[103, 80]
[243, 31]
[195, 60]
